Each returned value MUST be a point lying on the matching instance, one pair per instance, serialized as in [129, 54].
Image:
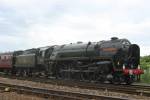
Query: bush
[145, 64]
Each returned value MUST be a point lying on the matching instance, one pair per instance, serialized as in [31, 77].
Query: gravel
[70, 89]
[16, 96]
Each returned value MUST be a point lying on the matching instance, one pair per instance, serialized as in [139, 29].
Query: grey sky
[33, 23]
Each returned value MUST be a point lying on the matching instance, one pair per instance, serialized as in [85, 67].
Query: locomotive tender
[115, 60]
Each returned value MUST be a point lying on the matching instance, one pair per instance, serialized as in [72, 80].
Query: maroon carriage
[6, 61]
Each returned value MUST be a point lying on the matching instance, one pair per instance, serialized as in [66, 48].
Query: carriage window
[3, 57]
[9, 57]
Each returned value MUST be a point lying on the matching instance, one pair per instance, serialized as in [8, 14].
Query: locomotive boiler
[115, 60]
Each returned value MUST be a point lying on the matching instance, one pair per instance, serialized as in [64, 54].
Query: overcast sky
[35, 23]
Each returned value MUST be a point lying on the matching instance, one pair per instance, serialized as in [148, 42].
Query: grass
[145, 78]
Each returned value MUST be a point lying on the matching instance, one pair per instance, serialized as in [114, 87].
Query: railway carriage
[6, 61]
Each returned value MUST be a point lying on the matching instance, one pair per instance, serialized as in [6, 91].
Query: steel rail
[128, 89]
[46, 93]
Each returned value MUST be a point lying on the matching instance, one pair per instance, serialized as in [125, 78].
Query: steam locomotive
[115, 60]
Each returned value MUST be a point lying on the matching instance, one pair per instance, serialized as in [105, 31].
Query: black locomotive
[115, 60]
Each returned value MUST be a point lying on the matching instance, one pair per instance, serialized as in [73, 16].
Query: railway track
[128, 89]
[55, 94]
